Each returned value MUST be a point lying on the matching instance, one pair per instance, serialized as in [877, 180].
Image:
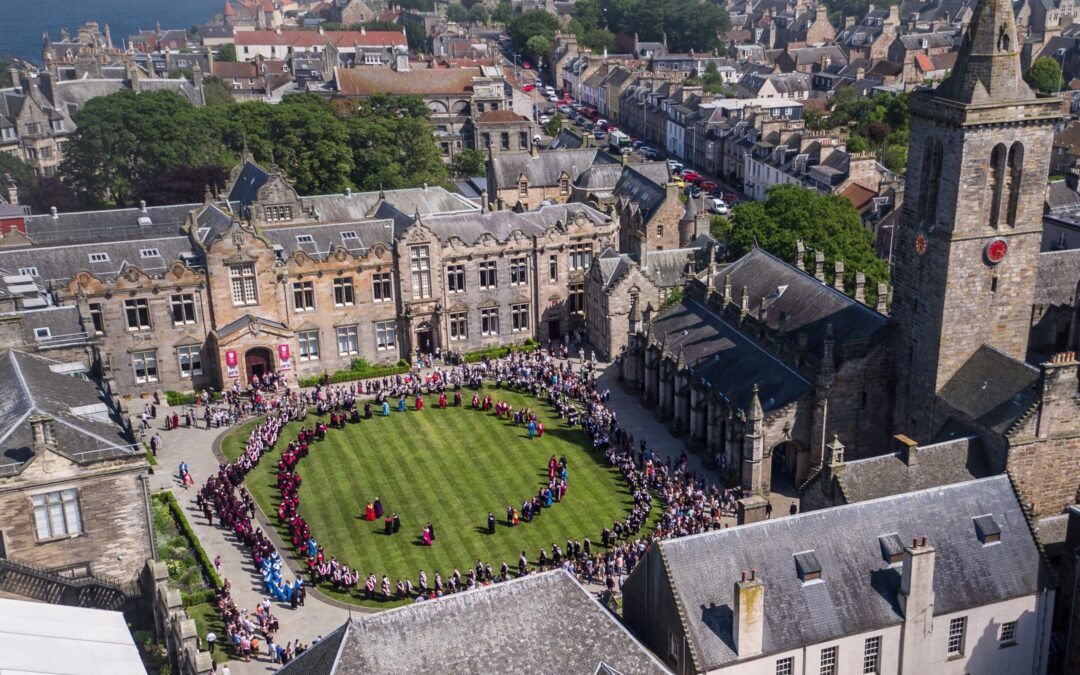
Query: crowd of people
[689, 504]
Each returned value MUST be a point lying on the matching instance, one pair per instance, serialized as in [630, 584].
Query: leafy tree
[478, 13]
[895, 158]
[589, 14]
[1044, 75]
[468, 162]
[457, 13]
[504, 11]
[227, 53]
[183, 185]
[597, 39]
[720, 228]
[535, 23]
[5, 76]
[537, 47]
[877, 132]
[216, 91]
[392, 144]
[857, 143]
[828, 223]
[124, 139]
[21, 172]
[688, 25]
[554, 125]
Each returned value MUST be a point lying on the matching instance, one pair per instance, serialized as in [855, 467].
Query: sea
[24, 22]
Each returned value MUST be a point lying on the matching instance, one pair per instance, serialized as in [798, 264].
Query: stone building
[945, 580]
[525, 179]
[200, 295]
[498, 131]
[981, 336]
[72, 478]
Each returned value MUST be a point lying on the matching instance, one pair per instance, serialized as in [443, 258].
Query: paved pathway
[195, 446]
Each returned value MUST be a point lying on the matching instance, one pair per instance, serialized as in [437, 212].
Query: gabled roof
[858, 590]
[246, 187]
[1057, 280]
[543, 169]
[367, 81]
[992, 388]
[86, 426]
[542, 623]
[946, 463]
[311, 38]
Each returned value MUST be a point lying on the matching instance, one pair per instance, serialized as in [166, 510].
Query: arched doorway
[425, 338]
[785, 463]
[258, 362]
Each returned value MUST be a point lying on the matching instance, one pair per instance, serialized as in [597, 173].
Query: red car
[690, 175]
[707, 185]
[731, 197]
[525, 65]
[528, 87]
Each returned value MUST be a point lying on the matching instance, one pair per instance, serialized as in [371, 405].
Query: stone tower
[968, 243]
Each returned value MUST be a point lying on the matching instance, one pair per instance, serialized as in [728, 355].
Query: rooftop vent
[808, 567]
[987, 529]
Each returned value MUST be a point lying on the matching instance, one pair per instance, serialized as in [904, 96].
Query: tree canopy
[826, 223]
[1044, 75]
[457, 13]
[878, 123]
[468, 162]
[158, 147]
[700, 26]
[530, 31]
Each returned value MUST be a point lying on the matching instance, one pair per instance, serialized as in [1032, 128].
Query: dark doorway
[425, 340]
[553, 330]
[259, 362]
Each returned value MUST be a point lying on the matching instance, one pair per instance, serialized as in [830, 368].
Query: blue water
[24, 22]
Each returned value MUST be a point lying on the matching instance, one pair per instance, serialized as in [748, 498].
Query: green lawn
[449, 467]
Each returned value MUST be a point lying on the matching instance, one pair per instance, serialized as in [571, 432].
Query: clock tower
[968, 241]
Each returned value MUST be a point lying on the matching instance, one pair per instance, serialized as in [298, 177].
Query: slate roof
[1061, 198]
[640, 192]
[246, 187]
[858, 588]
[727, 359]
[807, 304]
[992, 388]
[408, 201]
[1056, 283]
[87, 429]
[542, 623]
[60, 263]
[566, 139]
[64, 324]
[945, 463]
[85, 227]
[543, 169]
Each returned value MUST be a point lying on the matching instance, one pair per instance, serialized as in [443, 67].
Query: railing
[40, 583]
[72, 339]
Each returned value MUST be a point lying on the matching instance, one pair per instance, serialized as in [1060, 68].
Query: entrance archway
[258, 362]
[425, 338]
[785, 466]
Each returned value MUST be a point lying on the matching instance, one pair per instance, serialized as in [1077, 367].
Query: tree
[468, 162]
[828, 223]
[536, 23]
[597, 39]
[5, 76]
[478, 13]
[21, 172]
[720, 228]
[392, 144]
[1044, 76]
[895, 158]
[554, 125]
[457, 13]
[537, 47]
[216, 91]
[857, 143]
[504, 11]
[688, 25]
[227, 53]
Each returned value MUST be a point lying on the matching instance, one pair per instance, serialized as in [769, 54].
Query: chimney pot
[914, 542]
[54, 212]
[744, 575]
[924, 540]
[753, 574]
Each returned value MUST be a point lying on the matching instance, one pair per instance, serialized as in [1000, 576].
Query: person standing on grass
[491, 523]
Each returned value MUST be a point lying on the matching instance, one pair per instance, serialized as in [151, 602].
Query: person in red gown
[419, 402]
[369, 512]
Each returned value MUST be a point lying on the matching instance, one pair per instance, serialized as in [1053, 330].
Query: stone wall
[172, 624]
[1045, 473]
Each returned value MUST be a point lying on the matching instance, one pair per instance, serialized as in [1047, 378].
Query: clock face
[996, 250]
[920, 243]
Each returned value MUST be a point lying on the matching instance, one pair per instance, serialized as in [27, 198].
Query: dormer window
[280, 213]
[149, 253]
[564, 186]
[523, 188]
[892, 548]
[987, 529]
[302, 239]
[99, 257]
[808, 566]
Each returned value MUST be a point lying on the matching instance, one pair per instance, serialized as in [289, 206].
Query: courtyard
[448, 467]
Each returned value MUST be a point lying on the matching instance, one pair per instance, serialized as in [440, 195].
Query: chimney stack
[42, 430]
[882, 298]
[860, 287]
[483, 201]
[917, 605]
[838, 275]
[749, 625]
[819, 266]
[800, 252]
[907, 448]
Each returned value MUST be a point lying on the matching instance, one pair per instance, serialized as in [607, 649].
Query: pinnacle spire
[988, 65]
[756, 413]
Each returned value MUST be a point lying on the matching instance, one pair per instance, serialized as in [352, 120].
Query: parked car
[692, 191]
[528, 87]
[526, 65]
[564, 109]
[544, 119]
[599, 135]
[690, 175]
[731, 197]
[718, 207]
[716, 193]
[636, 144]
[553, 98]
[647, 152]
[707, 185]
[674, 167]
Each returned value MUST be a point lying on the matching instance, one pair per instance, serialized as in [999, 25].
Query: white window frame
[56, 514]
[309, 345]
[344, 292]
[149, 253]
[243, 284]
[183, 301]
[519, 271]
[348, 339]
[304, 290]
[420, 265]
[872, 655]
[29, 272]
[489, 321]
[455, 278]
[459, 326]
[785, 666]
[146, 362]
[519, 318]
[190, 361]
[957, 633]
[486, 268]
[382, 287]
[1007, 633]
[385, 335]
[553, 267]
[830, 658]
[99, 257]
[141, 308]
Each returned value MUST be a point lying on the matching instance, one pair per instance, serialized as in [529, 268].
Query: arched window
[1012, 181]
[996, 177]
[929, 188]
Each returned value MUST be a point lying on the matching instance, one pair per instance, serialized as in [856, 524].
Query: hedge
[175, 398]
[352, 375]
[211, 574]
[497, 352]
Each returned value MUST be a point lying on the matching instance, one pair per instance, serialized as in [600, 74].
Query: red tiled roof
[366, 81]
[922, 62]
[312, 38]
[500, 116]
[234, 69]
[859, 196]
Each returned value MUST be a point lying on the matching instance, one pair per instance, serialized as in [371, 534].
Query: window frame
[489, 321]
[486, 268]
[459, 326]
[304, 291]
[420, 267]
[344, 292]
[785, 665]
[519, 271]
[829, 660]
[148, 361]
[243, 284]
[97, 317]
[455, 278]
[138, 309]
[385, 335]
[64, 496]
[519, 317]
[305, 340]
[1007, 634]
[349, 336]
[183, 302]
[382, 287]
[872, 655]
[954, 646]
[193, 353]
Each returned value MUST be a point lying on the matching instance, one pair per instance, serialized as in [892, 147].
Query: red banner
[232, 363]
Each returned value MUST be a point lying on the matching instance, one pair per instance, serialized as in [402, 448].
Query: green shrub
[197, 597]
[182, 523]
[359, 365]
[402, 366]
